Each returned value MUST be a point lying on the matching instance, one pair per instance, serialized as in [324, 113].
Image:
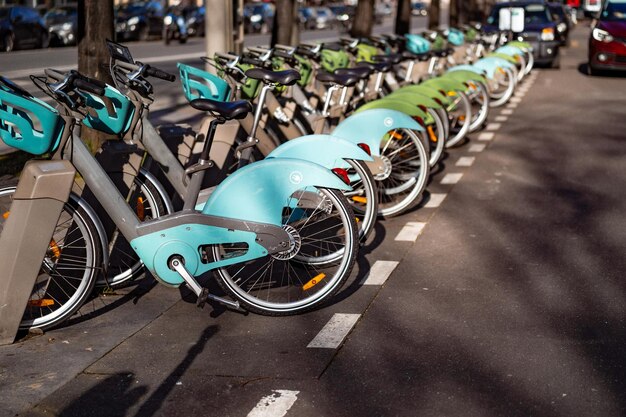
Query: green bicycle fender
[469, 68]
[500, 55]
[466, 76]
[521, 44]
[429, 91]
[325, 150]
[416, 97]
[396, 104]
[446, 84]
[371, 126]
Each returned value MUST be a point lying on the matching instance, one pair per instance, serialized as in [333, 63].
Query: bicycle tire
[297, 280]
[460, 116]
[481, 98]
[437, 138]
[363, 198]
[69, 269]
[406, 173]
[499, 98]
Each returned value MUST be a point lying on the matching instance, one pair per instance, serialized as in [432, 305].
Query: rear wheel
[363, 198]
[69, 269]
[479, 98]
[320, 258]
[8, 44]
[436, 138]
[406, 170]
[504, 88]
[460, 116]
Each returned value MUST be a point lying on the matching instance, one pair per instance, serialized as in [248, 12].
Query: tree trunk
[403, 17]
[455, 13]
[433, 14]
[95, 25]
[282, 30]
[363, 19]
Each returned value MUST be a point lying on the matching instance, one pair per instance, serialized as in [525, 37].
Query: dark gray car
[22, 27]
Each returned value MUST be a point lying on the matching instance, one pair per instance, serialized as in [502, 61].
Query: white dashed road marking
[451, 178]
[275, 405]
[410, 232]
[380, 271]
[477, 147]
[507, 111]
[511, 106]
[333, 333]
[493, 126]
[465, 161]
[435, 200]
[486, 136]
[501, 119]
[515, 100]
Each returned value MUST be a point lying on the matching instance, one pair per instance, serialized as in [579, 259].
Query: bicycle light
[365, 147]
[343, 174]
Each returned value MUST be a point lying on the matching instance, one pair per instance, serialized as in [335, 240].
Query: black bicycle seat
[287, 77]
[378, 67]
[226, 109]
[391, 58]
[359, 72]
[346, 80]
[408, 55]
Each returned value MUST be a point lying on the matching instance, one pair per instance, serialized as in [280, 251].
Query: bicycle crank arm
[202, 293]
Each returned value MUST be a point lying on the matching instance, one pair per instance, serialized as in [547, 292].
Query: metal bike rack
[43, 189]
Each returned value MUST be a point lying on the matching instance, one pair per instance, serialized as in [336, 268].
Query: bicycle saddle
[378, 67]
[392, 59]
[410, 56]
[287, 77]
[226, 109]
[346, 80]
[359, 72]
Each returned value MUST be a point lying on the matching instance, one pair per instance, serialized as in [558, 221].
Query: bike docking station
[43, 189]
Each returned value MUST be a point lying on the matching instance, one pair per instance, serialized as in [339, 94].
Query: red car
[607, 43]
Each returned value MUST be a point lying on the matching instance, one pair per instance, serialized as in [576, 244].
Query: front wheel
[9, 42]
[69, 268]
[363, 197]
[321, 255]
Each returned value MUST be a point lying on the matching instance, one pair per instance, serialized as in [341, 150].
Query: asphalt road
[505, 298]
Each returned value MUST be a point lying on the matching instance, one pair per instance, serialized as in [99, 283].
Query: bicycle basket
[202, 84]
[110, 114]
[417, 44]
[365, 52]
[331, 60]
[27, 123]
[456, 37]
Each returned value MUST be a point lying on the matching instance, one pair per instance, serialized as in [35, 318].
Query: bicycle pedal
[203, 297]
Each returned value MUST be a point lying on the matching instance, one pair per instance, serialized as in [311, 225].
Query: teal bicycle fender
[325, 150]
[371, 126]
[498, 62]
[397, 104]
[258, 192]
[510, 50]
[509, 58]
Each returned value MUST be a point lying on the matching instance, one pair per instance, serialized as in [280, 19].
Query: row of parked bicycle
[332, 137]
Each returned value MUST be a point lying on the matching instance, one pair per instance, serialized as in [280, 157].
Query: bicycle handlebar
[157, 73]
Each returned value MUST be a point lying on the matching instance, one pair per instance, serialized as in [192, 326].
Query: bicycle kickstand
[203, 293]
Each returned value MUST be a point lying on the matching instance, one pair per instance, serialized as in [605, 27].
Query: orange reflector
[5, 215]
[396, 135]
[56, 251]
[44, 302]
[452, 93]
[141, 213]
[431, 133]
[356, 219]
[359, 199]
[316, 280]
[462, 118]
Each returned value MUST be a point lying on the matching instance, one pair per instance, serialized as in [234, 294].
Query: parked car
[306, 18]
[564, 23]
[195, 20]
[539, 29]
[607, 43]
[324, 18]
[139, 21]
[343, 14]
[258, 17]
[62, 25]
[22, 27]
[419, 9]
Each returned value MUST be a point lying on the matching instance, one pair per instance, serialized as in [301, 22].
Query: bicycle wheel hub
[387, 167]
[295, 243]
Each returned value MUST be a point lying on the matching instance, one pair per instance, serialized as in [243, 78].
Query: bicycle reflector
[365, 147]
[314, 281]
[343, 174]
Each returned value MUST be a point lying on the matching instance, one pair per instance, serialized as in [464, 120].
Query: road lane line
[465, 161]
[486, 136]
[507, 112]
[335, 331]
[410, 232]
[451, 178]
[477, 147]
[379, 272]
[511, 106]
[493, 126]
[515, 100]
[275, 405]
[435, 200]
[501, 119]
